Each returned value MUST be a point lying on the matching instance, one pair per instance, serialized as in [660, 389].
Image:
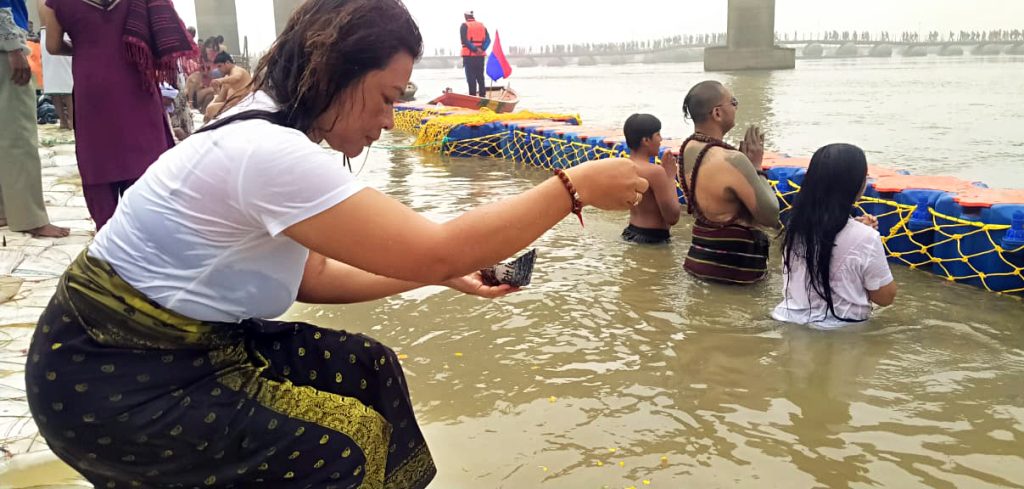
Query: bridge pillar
[283, 11]
[218, 18]
[751, 40]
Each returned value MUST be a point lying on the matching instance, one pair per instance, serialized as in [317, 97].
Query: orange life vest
[476, 34]
[35, 61]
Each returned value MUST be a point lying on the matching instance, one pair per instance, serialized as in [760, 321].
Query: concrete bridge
[884, 49]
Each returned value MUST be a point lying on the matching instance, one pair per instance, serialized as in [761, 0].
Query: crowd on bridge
[719, 38]
[907, 36]
[581, 49]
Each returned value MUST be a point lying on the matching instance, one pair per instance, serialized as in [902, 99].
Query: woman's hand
[868, 220]
[473, 284]
[611, 184]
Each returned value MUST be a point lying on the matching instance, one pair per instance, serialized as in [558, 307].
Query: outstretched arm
[376, 233]
[326, 281]
[755, 192]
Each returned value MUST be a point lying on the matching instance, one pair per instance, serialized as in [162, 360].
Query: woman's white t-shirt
[858, 265]
[200, 232]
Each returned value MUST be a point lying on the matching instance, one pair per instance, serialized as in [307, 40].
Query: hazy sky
[536, 22]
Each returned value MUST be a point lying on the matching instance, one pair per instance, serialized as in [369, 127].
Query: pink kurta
[120, 127]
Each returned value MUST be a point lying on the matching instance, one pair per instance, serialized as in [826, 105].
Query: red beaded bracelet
[574, 196]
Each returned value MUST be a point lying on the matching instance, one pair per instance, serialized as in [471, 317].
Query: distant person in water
[231, 87]
[475, 40]
[659, 209]
[834, 265]
[725, 191]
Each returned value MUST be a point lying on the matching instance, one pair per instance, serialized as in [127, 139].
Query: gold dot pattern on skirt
[346, 453]
[312, 375]
[167, 358]
[359, 470]
[210, 417]
[289, 475]
[263, 466]
[352, 358]
[272, 424]
[107, 369]
[51, 376]
[176, 430]
[302, 351]
[142, 378]
[300, 431]
[319, 464]
[324, 439]
[89, 418]
[216, 392]
[115, 397]
[57, 406]
[338, 377]
[294, 455]
[362, 384]
[167, 454]
[78, 358]
[106, 440]
[199, 362]
[327, 355]
[211, 480]
[335, 476]
[317, 335]
[276, 346]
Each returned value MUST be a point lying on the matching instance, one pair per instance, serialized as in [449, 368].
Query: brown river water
[617, 369]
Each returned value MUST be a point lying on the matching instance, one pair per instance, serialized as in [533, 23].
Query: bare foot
[49, 231]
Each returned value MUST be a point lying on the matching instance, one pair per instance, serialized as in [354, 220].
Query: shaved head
[702, 99]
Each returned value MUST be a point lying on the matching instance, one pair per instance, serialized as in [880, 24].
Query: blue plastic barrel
[1011, 260]
[465, 132]
[911, 242]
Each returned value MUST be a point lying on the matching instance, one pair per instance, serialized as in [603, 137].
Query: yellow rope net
[960, 250]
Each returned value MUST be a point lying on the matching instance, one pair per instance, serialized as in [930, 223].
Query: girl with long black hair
[834, 265]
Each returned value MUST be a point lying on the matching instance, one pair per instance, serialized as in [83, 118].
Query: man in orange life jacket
[475, 40]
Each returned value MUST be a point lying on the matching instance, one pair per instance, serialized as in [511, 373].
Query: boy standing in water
[651, 218]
